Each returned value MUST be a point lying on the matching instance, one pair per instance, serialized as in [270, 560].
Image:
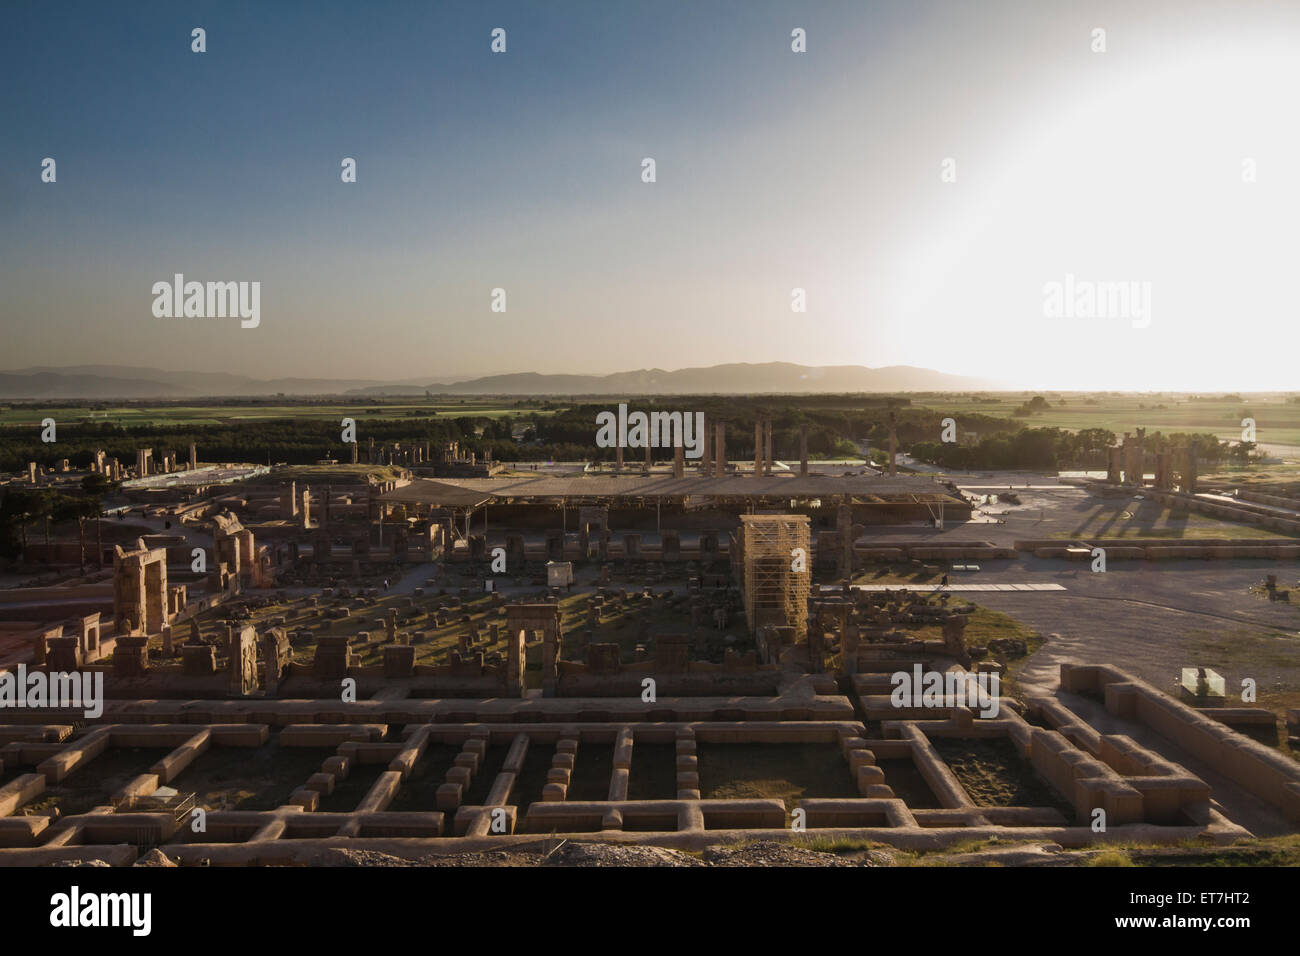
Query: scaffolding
[774, 565]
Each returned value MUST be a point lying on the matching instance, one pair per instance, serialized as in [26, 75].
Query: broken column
[333, 657]
[131, 657]
[954, 638]
[63, 655]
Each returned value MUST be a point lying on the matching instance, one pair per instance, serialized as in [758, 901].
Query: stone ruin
[140, 589]
[889, 782]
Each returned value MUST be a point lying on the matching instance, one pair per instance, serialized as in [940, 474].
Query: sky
[929, 173]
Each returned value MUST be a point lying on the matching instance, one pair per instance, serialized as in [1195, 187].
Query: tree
[19, 508]
[96, 487]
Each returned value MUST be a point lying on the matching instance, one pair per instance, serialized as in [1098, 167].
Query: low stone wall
[534, 711]
[628, 683]
[1270, 775]
[299, 830]
[1165, 549]
[1214, 509]
[1131, 784]
[1273, 501]
[930, 550]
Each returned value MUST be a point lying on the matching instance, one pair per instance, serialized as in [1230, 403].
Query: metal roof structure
[471, 492]
[439, 494]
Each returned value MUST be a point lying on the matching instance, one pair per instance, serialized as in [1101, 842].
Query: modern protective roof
[470, 492]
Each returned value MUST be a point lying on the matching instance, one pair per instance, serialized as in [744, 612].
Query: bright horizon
[775, 170]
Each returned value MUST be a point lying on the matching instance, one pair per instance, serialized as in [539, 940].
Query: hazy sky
[775, 170]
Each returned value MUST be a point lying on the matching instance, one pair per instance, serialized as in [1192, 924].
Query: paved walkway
[938, 589]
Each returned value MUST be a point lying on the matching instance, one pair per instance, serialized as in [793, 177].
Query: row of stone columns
[1126, 464]
[713, 459]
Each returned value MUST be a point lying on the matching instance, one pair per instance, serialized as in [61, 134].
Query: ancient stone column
[844, 531]
[276, 655]
[516, 662]
[1140, 458]
[550, 663]
[706, 456]
[893, 443]
[1114, 465]
[1164, 477]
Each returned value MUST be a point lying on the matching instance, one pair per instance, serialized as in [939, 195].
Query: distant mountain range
[102, 382]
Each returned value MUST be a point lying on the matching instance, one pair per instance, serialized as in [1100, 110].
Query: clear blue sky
[775, 170]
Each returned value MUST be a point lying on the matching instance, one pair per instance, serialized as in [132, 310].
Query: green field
[228, 414]
[1277, 421]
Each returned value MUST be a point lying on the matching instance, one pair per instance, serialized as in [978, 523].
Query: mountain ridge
[99, 382]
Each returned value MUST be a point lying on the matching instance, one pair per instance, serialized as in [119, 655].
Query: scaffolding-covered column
[774, 568]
